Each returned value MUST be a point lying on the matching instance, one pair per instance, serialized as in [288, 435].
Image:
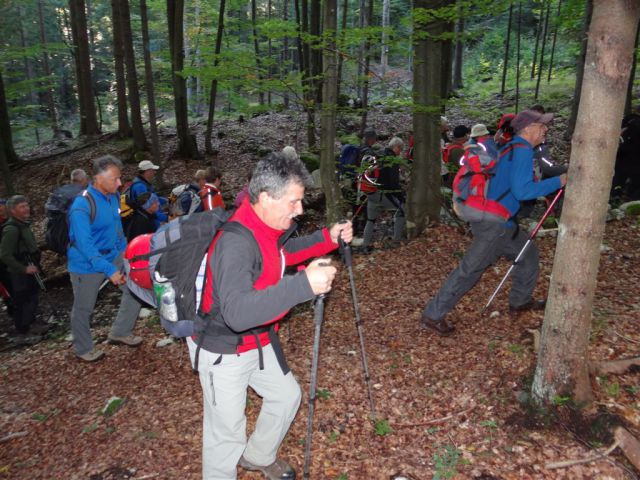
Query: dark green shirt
[17, 242]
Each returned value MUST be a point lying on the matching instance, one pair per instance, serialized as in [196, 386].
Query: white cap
[147, 165]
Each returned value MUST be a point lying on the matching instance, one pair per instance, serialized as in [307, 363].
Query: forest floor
[446, 407]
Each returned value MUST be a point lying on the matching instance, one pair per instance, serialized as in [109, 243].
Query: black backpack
[57, 209]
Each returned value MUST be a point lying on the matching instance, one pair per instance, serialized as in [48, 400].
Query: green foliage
[343, 476]
[112, 406]
[561, 400]
[310, 160]
[382, 427]
[446, 463]
[333, 436]
[489, 424]
[323, 394]
[633, 210]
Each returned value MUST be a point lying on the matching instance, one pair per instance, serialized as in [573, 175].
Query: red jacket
[211, 197]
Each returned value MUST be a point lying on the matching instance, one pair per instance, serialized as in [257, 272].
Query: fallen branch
[536, 338]
[11, 436]
[629, 445]
[627, 338]
[571, 463]
[102, 138]
[431, 422]
[615, 367]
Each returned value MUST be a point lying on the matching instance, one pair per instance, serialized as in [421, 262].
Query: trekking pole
[318, 316]
[345, 249]
[38, 278]
[524, 248]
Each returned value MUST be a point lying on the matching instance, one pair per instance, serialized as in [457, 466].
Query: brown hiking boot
[278, 470]
[441, 327]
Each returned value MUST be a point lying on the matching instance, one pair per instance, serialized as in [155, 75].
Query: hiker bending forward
[513, 183]
[246, 293]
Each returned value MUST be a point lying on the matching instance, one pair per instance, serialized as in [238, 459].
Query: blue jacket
[94, 246]
[140, 186]
[515, 176]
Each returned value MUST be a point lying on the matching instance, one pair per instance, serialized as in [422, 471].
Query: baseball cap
[147, 165]
[478, 130]
[527, 117]
[369, 133]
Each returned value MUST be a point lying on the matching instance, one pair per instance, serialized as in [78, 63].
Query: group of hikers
[246, 288]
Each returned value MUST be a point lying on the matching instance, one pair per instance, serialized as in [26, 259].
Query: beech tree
[563, 363]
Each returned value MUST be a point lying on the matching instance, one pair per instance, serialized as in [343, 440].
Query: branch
[570, 463]
[626, 338]
[11, 436]
[431, 422]
[616, 367]
[629, 445]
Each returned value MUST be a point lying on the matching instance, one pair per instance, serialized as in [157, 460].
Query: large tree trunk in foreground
[424, 187]
[562, 368]
[328, 115]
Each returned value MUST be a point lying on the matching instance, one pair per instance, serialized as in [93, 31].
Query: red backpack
[448, 148]
[368, 179]
[471, 184]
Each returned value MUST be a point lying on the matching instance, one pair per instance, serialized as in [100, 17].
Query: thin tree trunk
[305, 62]
[48, 92]
[518, 55]
[28, 70]
[505, 63]
[580, 70]
[628, 103]
[459, 51]
[151, 96]
[286, 57]
[124, 128]
[562, 369]
[9, 154]
[88, 117]
[544, 44]
[447, 57]
[384, 47]
[256, 47]
[341, 44]
[362, 22]
[555, 37]
[269, 55]
[333, 196]
[214, 83]
[316, 53]
[537, 44]
[424, 196]
[367, 65]
[7, 177]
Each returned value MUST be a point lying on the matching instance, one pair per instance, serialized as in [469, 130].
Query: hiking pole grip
[345, 249]
[547, 212]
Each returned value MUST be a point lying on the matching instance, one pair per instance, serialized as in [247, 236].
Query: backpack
[178, 195]
[348, 161]
[471, 184]
[126, 203]
[167, 269]
[57, 208]
[448, 148]
[370, 173]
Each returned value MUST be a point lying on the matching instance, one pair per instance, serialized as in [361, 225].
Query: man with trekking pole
[493, 237]
[246, 292]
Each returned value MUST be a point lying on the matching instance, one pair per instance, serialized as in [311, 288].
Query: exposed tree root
[629, 445]
[431, 422]
[571, 463]
[616, 367]
[11, 436]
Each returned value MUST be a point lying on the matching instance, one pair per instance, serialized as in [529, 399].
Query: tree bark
[424, 196]
[214, 83]
[285, 65]
[341, 45]
[534, 63]
[88, 117]
[9, 154]
[542, 49]
[562, 368]
[48, 92]
[316, 51]
[256, 47]
[124, 128]
[367, 71]
[384, 47]
[580, 70]
[305, 62]
[518, 39]
[333, 196]
[555, 38]
[187, 146]
[505, 63]
[459, 51]
[29, 71]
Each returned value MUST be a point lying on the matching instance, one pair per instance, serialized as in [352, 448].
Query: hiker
[210, 194]
[143, 219]
[246, 293]
[95, 254]
[242, 194]
[492, 238]
[480, 134]
[452, 153]
[369, 144]
[143, 183]
[504, 134]
[20, 255]
[61, 197]
[389, 195]
[5, 284]
[626, 178]
[543, 165]
[185, 198]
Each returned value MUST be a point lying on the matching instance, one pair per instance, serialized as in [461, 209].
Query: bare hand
[31, 270]
[563, 179]
[320, 274]
[117, 278]
[344, 230]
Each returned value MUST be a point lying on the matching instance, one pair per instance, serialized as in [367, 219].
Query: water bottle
[166, 297]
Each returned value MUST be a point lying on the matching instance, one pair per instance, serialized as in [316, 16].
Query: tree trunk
[6, 170]
[628, 103]
[518, 38]
[562, 368]
[316, 52]
[256, 46]
[537, 44]
[187, 146]
[29, 72]
[305, 62]
[367, 71]
[333, 197]
[124, 128]
[362, 23]
[9, 154]
[48, 92]
[555, 37]
[544, 45]
[285, 65]
[384, 47]
[269, 56]
[505, 64]
[447, 56]
[459, 51]
[580, 70]
[424, 199]
[88, 117]
[151, 96]
[214, 83]
[139, 140]
[341, 46]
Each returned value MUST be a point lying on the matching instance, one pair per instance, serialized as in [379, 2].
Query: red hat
[506, 118]
[139, 268]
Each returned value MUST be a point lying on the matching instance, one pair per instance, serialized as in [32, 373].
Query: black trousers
[24, 293]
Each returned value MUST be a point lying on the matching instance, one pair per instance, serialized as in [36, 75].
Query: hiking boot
[278, 470]
[532, 305]
[441, 327]
[129, 340]
[363, 250]
[26, 339]
[92, 355]
[39, 328]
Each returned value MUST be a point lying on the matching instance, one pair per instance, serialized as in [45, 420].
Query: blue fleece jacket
[515, 176]
[140, 186]
[94, 246]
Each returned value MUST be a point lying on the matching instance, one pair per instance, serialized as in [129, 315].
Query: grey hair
[200, 175]
[275, 173]
[16, 200]
[396, 142]
[78, 176]
[102, 164]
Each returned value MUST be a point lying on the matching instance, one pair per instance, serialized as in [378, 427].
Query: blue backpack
[348, 162]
